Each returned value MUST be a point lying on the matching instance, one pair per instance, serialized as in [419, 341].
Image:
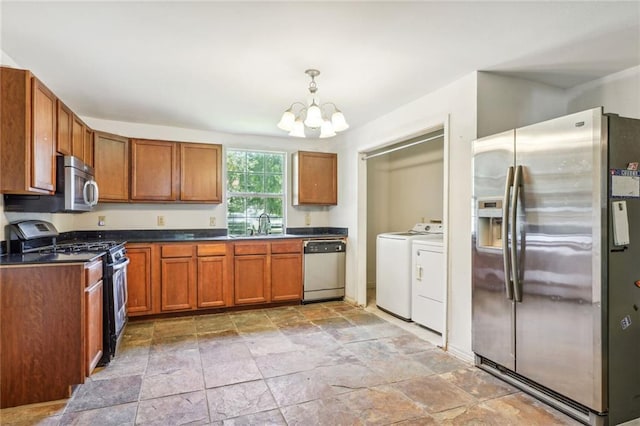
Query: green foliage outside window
[255, 185]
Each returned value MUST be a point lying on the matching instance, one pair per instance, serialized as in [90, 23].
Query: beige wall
[403, 188]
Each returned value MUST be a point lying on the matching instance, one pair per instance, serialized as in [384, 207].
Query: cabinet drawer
[212, 249]
[251, 248]
[177, 250]
[93, 273]
[290, 246]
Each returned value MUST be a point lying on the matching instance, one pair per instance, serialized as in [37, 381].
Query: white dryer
[393, 268]
[428, 286]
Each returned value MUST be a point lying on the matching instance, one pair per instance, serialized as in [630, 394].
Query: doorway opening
[406, 184]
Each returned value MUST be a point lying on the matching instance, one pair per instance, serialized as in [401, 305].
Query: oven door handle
[120, 264]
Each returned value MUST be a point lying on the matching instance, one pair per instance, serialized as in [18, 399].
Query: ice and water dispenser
[490, 223]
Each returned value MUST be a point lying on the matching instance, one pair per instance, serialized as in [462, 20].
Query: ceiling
[236, 66]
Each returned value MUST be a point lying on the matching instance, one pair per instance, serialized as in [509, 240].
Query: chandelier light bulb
[326, 131]
[338, 121]
[287, 120]
[314, 116]
[298, 129]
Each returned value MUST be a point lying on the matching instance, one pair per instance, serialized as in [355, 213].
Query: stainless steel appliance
[76, 191]
[324, 270]
[38, 236]
[556, 243]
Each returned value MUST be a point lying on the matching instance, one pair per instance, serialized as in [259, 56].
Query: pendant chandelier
[313, 114]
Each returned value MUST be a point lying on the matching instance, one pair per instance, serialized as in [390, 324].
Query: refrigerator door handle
[517, 185]
[505, 234]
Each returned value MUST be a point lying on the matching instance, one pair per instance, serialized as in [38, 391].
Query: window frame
[246, 195]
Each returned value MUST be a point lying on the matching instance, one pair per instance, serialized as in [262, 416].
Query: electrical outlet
[307, 219]
[212, 221]
[160, 220]
[101, 220]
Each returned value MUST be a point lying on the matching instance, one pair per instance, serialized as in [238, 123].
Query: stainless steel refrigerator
[556, 262]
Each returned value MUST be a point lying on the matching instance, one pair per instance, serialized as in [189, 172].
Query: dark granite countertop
[48, 258]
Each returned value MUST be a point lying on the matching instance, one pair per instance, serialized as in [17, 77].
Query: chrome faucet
[264, 224]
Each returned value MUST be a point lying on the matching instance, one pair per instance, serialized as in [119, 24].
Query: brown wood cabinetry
[315, 178]
[140, 279]
[200, 172]
[77, 137]
[88, 146]
[111, 164]
[154, 170]
[28, 132]
[65, 125]
[212, 275]
[251, 273]
[214, 285]
[178, 277]
[93, 315]
[286, 270]
[41, 332]
[174, 171]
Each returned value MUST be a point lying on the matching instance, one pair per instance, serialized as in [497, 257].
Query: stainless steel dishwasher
[324, 265]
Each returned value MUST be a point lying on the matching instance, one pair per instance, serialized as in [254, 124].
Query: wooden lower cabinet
[140, 290]
[41, 332]
[93, 326]
[251, 279]
[177, 277]
[184, 276]
[286, 277]
[214, 285]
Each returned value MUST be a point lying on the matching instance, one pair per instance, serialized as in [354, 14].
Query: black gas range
[38, 241]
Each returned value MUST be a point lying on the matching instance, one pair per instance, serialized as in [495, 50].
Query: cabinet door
[178, 284]
[212, 281]
[93, 326]
[286, 277]
[251, 279]
[139, 287]
[154, 170]
[200, 172]
[65, 125]
[317, 178]
[88, 146]
[77, 138]
[43, 161]
[111, 162]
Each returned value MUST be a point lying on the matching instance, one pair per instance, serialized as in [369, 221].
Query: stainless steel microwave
[76, 191]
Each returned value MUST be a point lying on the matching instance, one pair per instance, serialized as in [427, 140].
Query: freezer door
[492, 309]
[563, 194]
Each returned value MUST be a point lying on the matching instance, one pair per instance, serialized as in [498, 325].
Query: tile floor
[329, 363]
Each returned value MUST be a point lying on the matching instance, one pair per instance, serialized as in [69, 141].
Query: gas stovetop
[79, 246]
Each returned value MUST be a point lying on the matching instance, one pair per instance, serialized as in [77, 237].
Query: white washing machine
[427, 283]
[393, 268]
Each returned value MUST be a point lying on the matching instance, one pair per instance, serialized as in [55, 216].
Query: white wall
[618, 93]
[453, 106]
[506, 102]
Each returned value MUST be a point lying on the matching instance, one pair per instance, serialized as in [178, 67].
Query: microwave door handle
[96, 193]
[85, 196]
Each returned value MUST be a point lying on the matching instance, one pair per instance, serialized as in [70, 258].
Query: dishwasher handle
[324, 246]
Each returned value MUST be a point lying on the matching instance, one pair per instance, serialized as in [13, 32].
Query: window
[255, 185]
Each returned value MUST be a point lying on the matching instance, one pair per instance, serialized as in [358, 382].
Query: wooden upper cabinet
[200, 172]
[88, 147]
[28, 134]
[315, 178]
[65, 126]
[77, 138]
[154, 170]
[111, 164]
